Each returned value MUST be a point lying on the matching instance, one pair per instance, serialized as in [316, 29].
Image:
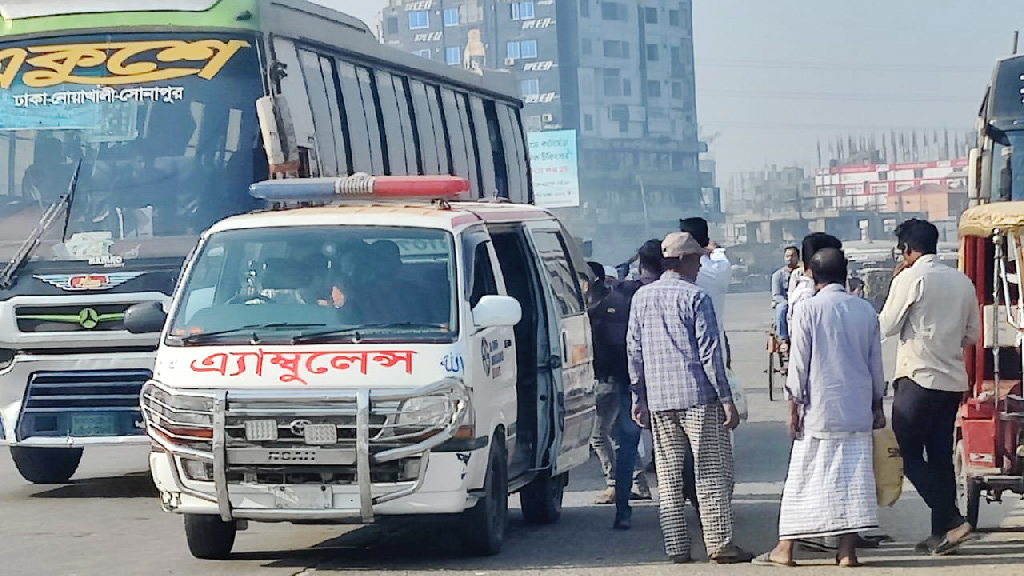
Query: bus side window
[457, 138]
[429, 151]
[497, 149]
[396, 139]
[355, 113]
[470, 139]
[320, 95]
[294, 91]
[371, 109]
[513, 154]
[482, 137]
[411, 138]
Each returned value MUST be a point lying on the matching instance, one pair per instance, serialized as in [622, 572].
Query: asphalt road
[107, 522]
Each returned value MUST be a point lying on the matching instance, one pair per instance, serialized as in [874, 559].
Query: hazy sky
[774, 76]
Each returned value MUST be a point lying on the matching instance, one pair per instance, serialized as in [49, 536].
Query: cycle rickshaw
[990, 425]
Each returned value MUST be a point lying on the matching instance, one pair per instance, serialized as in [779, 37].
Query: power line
[836, 66]
[828, 96]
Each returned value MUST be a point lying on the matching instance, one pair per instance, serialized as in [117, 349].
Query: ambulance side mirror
[497, 312]
[145, 318]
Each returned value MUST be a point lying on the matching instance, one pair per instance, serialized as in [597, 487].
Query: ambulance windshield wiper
[251, 328]
[356, 332]
[45, 223]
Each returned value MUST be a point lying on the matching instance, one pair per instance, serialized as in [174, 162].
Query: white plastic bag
[739, 397]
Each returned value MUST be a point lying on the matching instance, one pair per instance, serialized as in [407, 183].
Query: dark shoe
[928, 545]
[872, 541]
[680, 559]
[623, 521]
[732, 554]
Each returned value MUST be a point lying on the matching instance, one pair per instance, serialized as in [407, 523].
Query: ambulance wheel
[483, 525]
[541, 500]
[46, 465]
[968, 489]
[209, 537]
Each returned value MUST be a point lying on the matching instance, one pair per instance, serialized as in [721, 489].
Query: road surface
[107, 522]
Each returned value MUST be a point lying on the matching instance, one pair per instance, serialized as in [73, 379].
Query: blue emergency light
[360, 186]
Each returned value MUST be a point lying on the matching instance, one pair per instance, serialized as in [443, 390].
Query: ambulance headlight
[426, 412]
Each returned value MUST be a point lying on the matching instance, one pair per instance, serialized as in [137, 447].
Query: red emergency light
[360, 186]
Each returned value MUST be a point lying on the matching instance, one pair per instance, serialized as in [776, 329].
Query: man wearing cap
[714, 276]
[677, 370]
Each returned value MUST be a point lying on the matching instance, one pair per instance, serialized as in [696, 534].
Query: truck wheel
[968, 489]
[209, 537]
[46, 465]
[483, 525]
[541, 500]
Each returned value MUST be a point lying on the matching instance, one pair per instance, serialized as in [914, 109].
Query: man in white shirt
[934, 311]
[715, 273]
[801, 285]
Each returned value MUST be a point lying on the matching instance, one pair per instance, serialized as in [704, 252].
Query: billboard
[553, 162]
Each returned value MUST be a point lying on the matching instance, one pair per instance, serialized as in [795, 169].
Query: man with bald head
[835, 389]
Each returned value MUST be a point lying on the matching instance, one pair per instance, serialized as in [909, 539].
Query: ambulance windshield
[340, 283]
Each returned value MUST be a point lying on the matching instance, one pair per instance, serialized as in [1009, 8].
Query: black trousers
[923, 422]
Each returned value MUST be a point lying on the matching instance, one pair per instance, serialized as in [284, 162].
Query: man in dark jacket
[609, 313]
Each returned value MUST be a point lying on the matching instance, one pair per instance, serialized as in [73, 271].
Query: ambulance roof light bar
[360, 187]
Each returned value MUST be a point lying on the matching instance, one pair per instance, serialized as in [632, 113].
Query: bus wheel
[541, 500]
[483, 525]
[209, 537]
[968, 489]
[46, 465]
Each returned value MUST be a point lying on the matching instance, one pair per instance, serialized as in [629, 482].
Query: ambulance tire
[209, 537]
[483, 525]
[541, 499]
[46, 465]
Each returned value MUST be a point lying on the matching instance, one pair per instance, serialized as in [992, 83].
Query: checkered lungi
[700, 427]
[830, 488]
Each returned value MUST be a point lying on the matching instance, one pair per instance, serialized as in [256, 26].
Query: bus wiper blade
[356, 332]
[252, 328]
[44, 225]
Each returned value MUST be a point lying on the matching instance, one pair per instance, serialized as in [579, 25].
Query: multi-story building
[618, 72]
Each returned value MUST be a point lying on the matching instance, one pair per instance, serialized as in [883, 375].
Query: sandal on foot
[766, 560]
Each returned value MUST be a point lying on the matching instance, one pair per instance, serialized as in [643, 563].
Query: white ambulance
[379, 351]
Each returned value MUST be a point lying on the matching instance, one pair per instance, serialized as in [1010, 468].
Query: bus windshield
[163, 127]
[1008, 168]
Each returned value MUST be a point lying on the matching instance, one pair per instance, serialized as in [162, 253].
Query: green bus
[127, 128]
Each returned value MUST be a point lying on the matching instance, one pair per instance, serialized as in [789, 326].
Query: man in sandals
[933, 310]
[678, 375]
[835, 389]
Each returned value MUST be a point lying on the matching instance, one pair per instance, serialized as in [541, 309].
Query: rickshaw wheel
[968, 490]
[771, 375]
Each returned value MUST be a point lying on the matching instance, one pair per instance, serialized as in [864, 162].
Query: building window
[522, 49]
[918, 173]
[883, 176]
[677, 90]
[392, 25]
[522, 10]
[652, 52]
[614, 11]
[651, 15]
[451, 16]
[453, 55]
[588, 122]
[616, 49]
[533, 123]
[612, 83]
[673, 17]
[530, 87]
[585, 8]
[419, 19]
[627, 87]
[586, 46]
[654, 89]
[423, 54]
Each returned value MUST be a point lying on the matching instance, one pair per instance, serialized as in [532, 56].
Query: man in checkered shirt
[677, 370]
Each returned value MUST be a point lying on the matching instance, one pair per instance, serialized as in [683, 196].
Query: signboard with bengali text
[555, 167]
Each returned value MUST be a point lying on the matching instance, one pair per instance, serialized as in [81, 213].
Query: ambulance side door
[571, 352]
[491, 351]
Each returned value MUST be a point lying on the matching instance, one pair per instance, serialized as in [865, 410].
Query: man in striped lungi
[835, 388]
